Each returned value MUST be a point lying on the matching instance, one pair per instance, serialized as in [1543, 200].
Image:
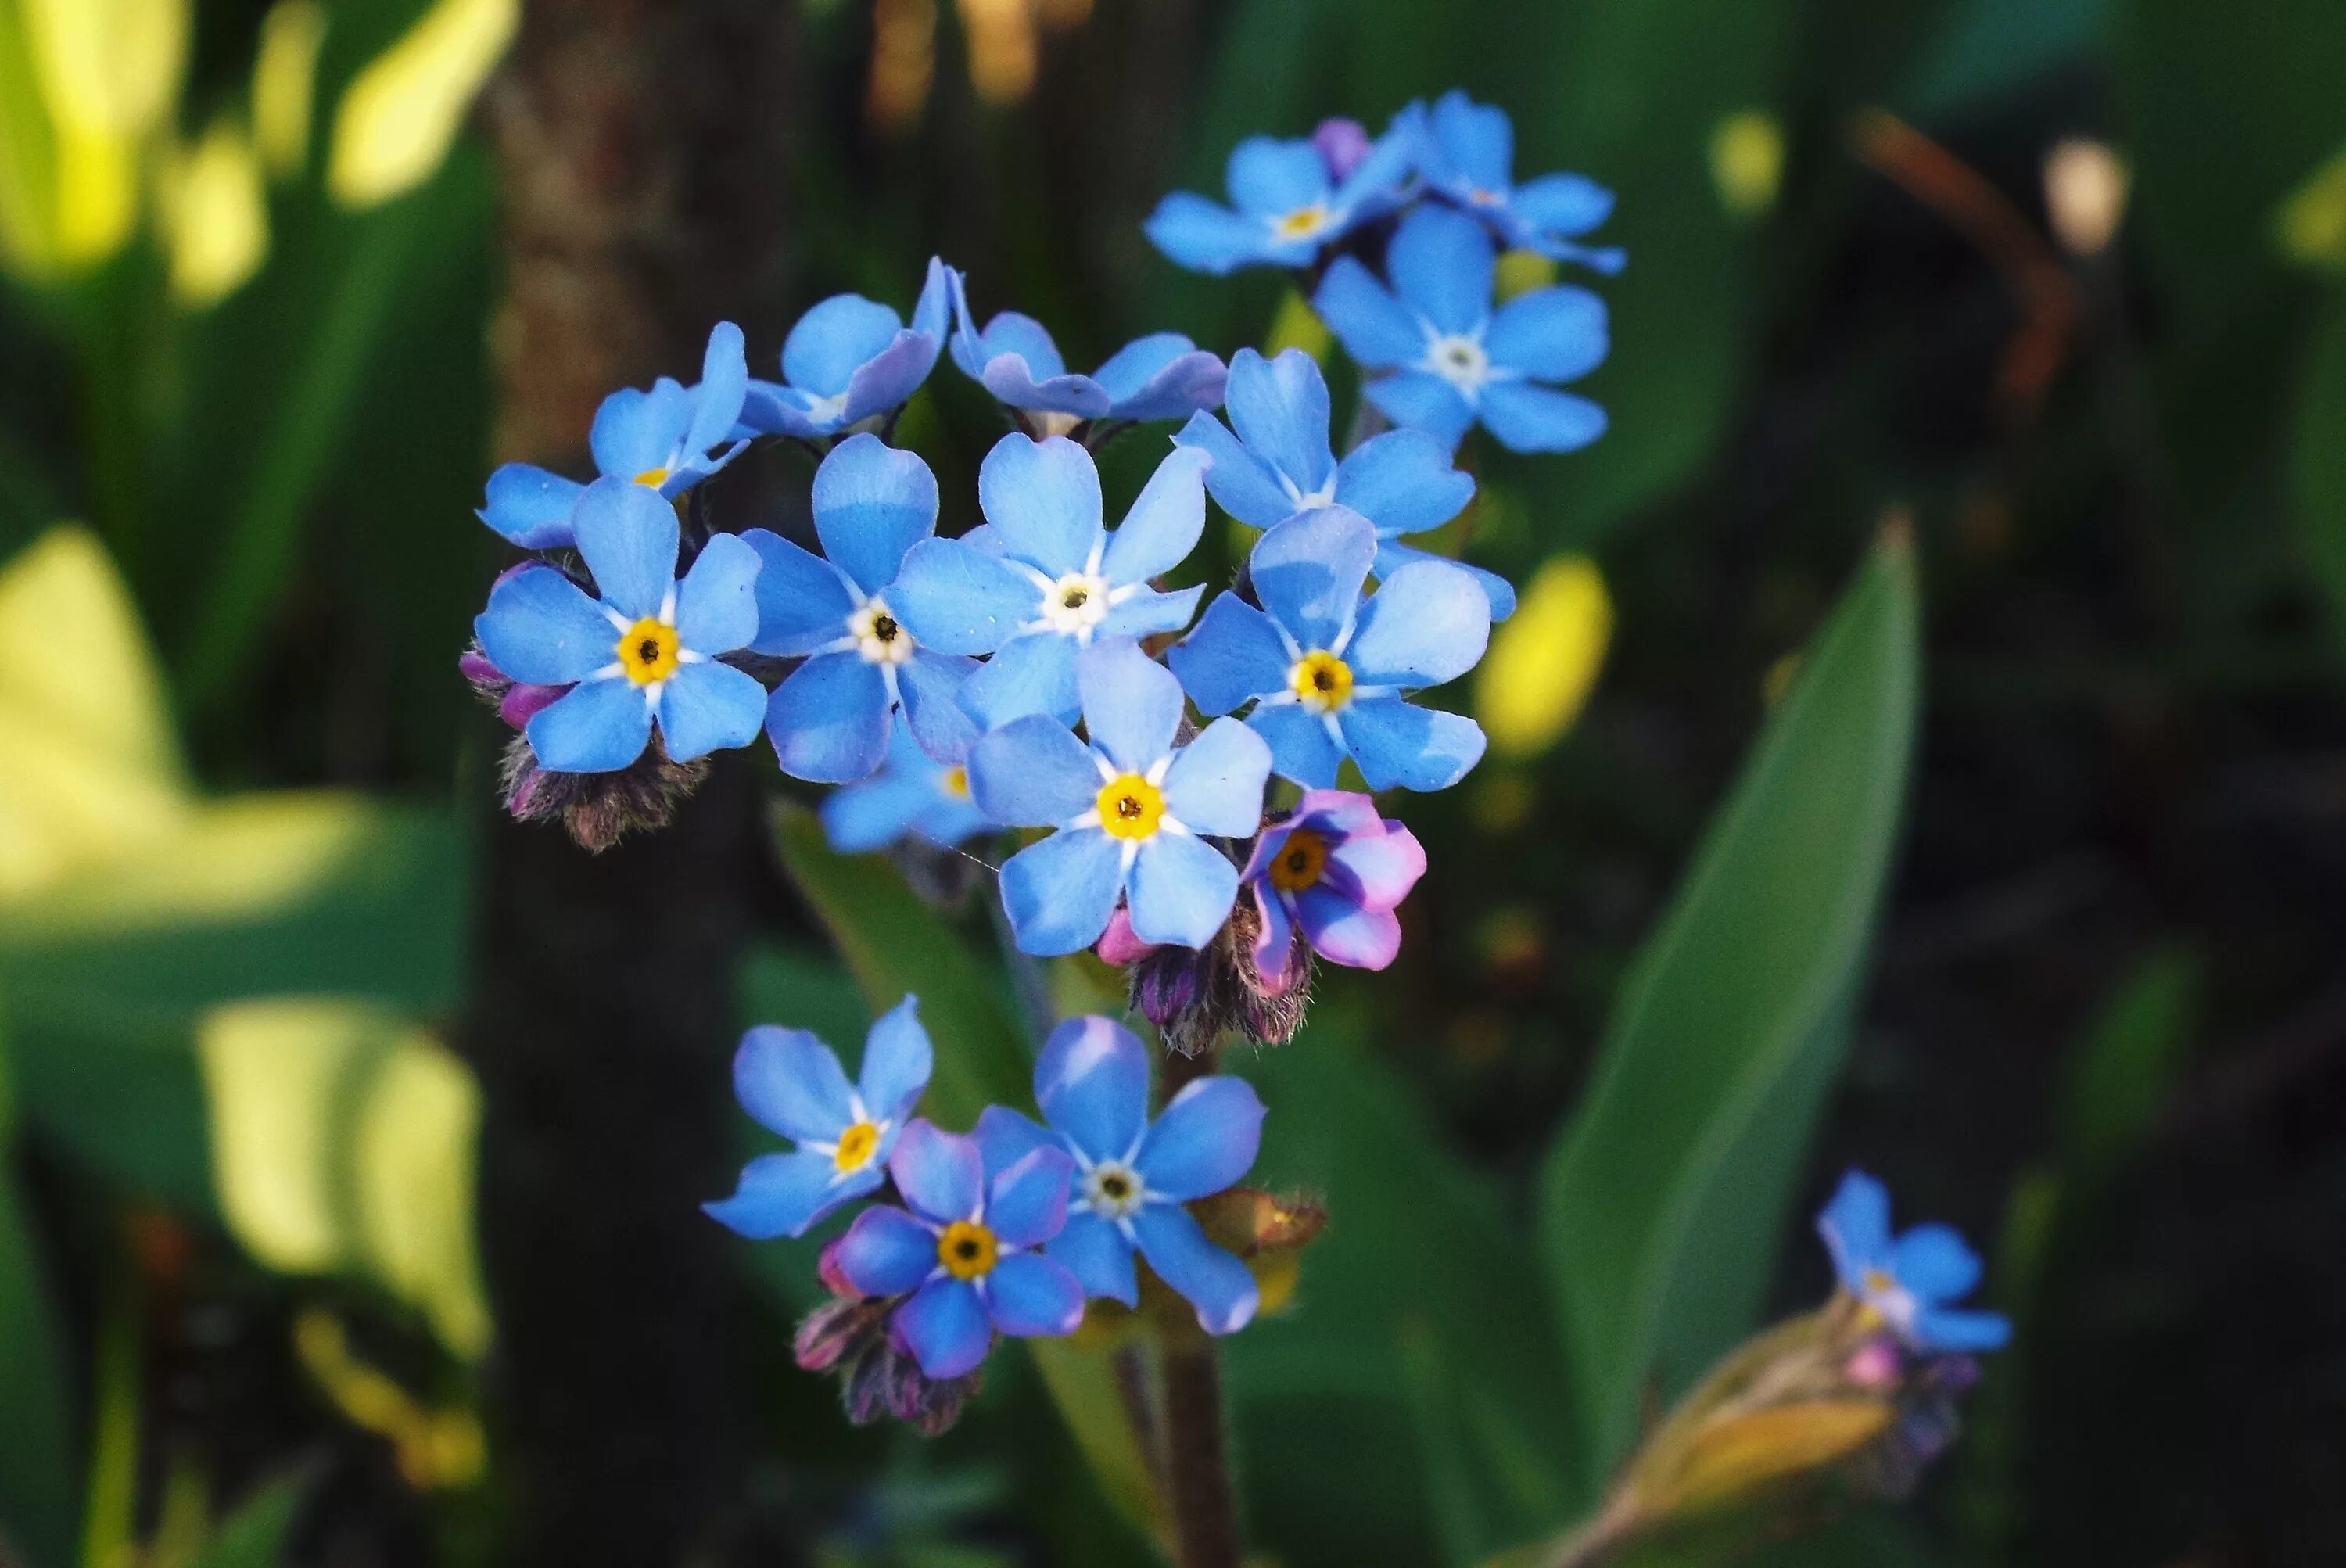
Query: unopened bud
[1342, 143]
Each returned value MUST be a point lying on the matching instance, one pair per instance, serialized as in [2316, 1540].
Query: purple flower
[1332, 872]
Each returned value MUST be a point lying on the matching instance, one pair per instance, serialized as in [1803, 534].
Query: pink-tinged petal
[1274, 947]
[1343, 932]
[1117, 946]
[1376, 872]
[1334, 811]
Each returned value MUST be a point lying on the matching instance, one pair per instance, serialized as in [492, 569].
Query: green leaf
[2121, 1074]
[255, 1535]
[1663, 1198]
[38, 1483]
[2318, 459]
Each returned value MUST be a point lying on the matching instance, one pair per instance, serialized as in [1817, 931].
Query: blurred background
[353, 1135]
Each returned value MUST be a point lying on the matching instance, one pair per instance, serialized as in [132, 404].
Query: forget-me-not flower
[830, 719]
[646, 651]
[850, 360]
[1909, 1282]
[668, 439]
[1442, 359]
[1130, 809]
[1286, 202]
[1161, 376]
[1278, 463]
[792, 1082]
[1466, 153]
[913, 795]
[1131, 1178]
[1327, 671]
[1045, 578]
[964, 1249]
[1334, 871]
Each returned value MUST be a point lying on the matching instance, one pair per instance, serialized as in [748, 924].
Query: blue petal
[932, 311]
[1562, 204]
[1026, 1203]
[871, 504]
[1375, 184]
[1148, 612]
[716, 603]
[786, 1194]
[897, 1061]
[884, 381]
[1855, 1225]
[835, 338]
[1132, 367]
[1268, 178]
[1091, 1082]
[829, 721]
[1420, 400]
[1549, 334]
[770, 409]
[1205, 236]
[1279, 408]
[1132, 704]
[1013, 384]
[1180, 889]
[1214, 785]
[940, 1174]
[1933, 1264]
[627, 534]
[717, 401]
[1217, 1285]
[1953, 1332]
[706, 707]
[1471, 142]
[1095, 1252]
[801, 603]
[887, 1252]
[530, 506]
[1033, 675]
[600, 727]
[636, 432]
[1033, 773]
[1426, 623]
[877, 811]
[1440, 262]
[947, 1326]
[1300, 747]
[1607, 258]
[1044, 500]
[790, 1082]
[1024, 338]
[1163, 526]
[1400, 746]
[1375, 329]
[1247, 486]
[1232, 656]
[1060, 892]
[1204, 1140]
[1403, 482]
[929, 687]
[1162, 376]
[1392, 555]
[540, 629]
[1309, 570]
[959, 599]
[1527, 418]
[1005, 1138]
[1031, 1294]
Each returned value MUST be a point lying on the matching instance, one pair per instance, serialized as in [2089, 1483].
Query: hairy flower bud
[1194, 996]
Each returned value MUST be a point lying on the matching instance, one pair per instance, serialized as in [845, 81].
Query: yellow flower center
[1878, 1282]
[856, 1147]
[1321, 681]
[953, 783]
[1302, 223]
[1130, 807]
[1301, 860]
[967, 1249]
[648, 652]
[652, 478]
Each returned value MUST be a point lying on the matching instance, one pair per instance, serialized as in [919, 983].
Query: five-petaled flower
[850, 361]
[1332, 873]
[829, 720]
[1129, 809]
[792, 1082]
[646, 651]
[1442, 359]
[1131, 1178]
[1286, 203]
[964, 1249]
[1161, 376]
[1046, 578]
[1467, 153]
[668, 439]
[1908, 1282]
[913, 795]
[1326, 671]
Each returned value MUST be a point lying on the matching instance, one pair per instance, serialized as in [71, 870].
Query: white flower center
[878, 637]
[1113, 1189]
[1461, 361]
[1077, 603]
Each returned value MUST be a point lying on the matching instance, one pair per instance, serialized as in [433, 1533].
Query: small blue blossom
[668, 439]
[1161, 376]
[1278, 463]
[965, 1250]
[1909, 1282]
[1443, 359]
[1130, 809]
[849, 361]
[913, 795]
[1326, 879]
[1327, 671]
[646, 651]
[1286, 201]
[1045, 578]
[1467, 153]
[1131, 1178]
[792, 1082]
[830, 719]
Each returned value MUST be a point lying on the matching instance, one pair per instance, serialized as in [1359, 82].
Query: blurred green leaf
[2318, 459]
[38, 1451]
[1663, 1198]
[1985, 49]
[2121, 1074]
[255, 1535]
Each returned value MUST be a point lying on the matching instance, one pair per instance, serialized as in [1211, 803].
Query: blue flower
[850, 360]
[964, 1249]
[1467, 153]
[1908, 1282]
[646, 651]
[1447, 358]
[1131, 1178]
[790, 1082]
[1130, 809]
[668, 439]
[1279, 463]
[1332, 872]
[1046, 577]
[1326, 671]
[830, 719]
[1161, 376]
[1289, 203]
[913, 795]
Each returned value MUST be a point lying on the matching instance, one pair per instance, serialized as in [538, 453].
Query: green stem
[1196, 1457]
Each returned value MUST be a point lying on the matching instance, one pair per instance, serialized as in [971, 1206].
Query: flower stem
[1594, 1539]
[1197, 1458]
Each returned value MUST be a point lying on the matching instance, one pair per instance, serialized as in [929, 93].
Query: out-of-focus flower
[1544, 663]
[400, 115]
[792, 1082]
[1045, 577]
[913, 795]
[1327, 671]
[1445, 360]
[1131, 1179]
[2085, 187]
[1466, 153]
[668, 439]
[1129, 809]
[1330, 875]
[1286, 202]
[646, 651]
[830, 719]
[1909, 1282]
[965, 1250]
[1161, 376]
[849, 362]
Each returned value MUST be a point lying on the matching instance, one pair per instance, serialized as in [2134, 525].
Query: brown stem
[1196, 1457]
